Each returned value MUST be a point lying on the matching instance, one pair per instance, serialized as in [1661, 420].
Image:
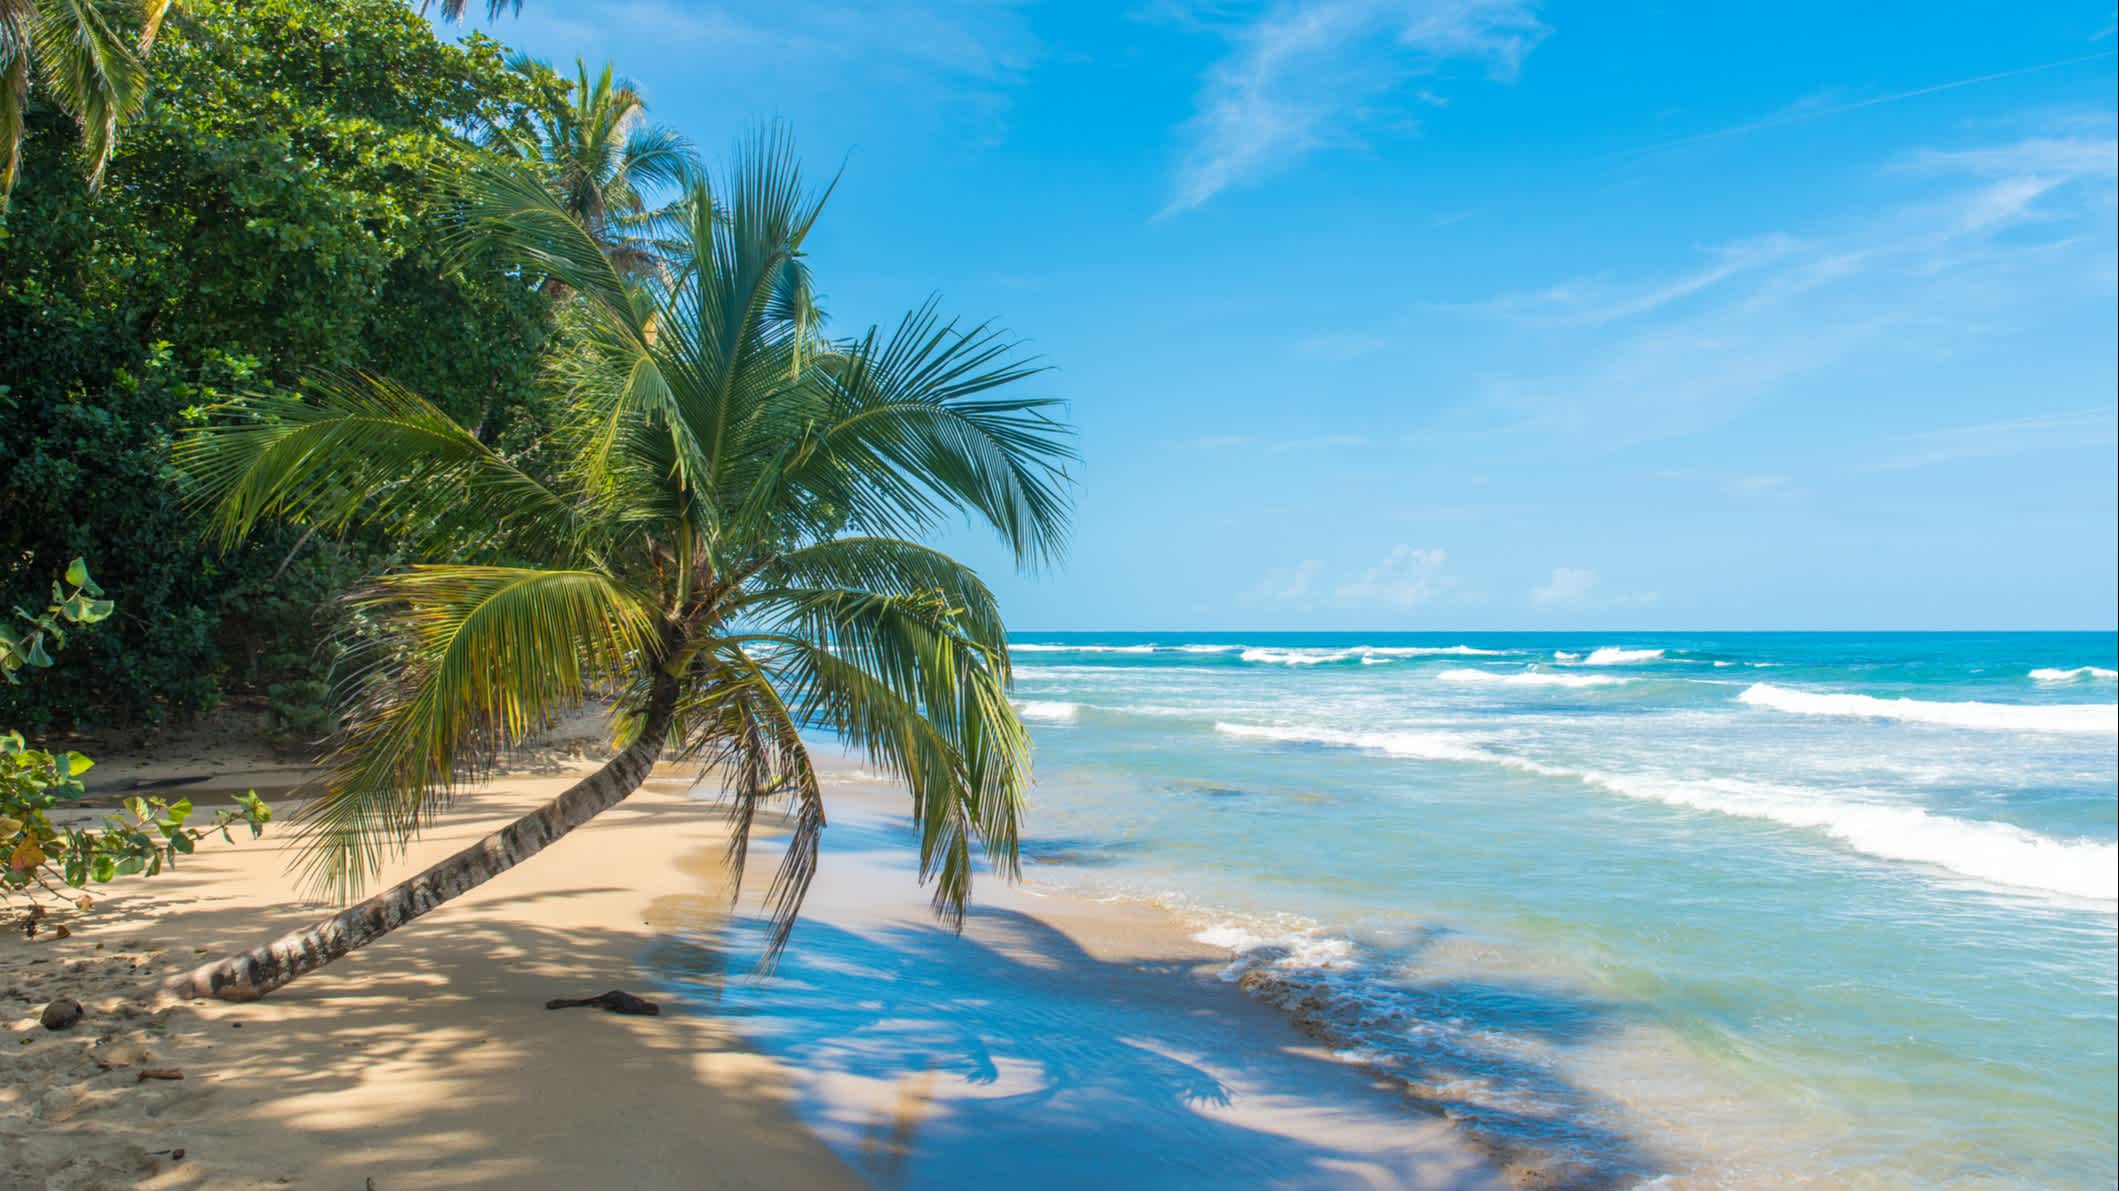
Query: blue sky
[1474, 314]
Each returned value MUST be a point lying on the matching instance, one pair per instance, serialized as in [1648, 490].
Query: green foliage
[719, 528]
[78, 602]
[38, 857]
[77, 57]
[268, 215]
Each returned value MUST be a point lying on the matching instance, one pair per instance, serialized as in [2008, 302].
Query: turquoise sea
[1743, 909]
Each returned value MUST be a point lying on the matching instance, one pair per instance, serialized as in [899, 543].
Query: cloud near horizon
[1407, 577]
[1302, 74]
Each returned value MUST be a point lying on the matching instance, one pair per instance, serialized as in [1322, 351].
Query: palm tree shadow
[920, 1054]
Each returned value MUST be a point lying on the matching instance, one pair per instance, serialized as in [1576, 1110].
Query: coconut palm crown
[728, 545]
[604, 160]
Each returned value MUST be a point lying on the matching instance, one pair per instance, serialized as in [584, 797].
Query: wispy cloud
[1596, 302]
[1988, 234]
[2092, 429]
[940, 52]
[1733, 483]
[1304, 74]
[1819, 107]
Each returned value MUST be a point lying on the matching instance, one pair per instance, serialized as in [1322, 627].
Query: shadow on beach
[922, 1057]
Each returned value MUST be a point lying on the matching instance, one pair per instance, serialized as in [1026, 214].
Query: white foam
[1999, 853]
[2006, 717]
[1038, 647]
[1615, 655]
[2075, 675]
[1561, 655]
[1993, 852]
[1370, 654]
[1048, 711]
[1529, 678]
[1416, 746]
[1208, 648]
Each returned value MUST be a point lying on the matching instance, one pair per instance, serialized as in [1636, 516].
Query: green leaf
[77, 572]
[73, 764]
[182, 842]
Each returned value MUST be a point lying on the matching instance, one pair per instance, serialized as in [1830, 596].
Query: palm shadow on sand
[923, 1057]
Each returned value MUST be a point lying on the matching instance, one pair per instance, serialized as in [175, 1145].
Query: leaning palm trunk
[252, 974]
[723, 529]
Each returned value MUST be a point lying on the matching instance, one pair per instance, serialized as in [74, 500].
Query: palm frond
[362, 450]
[91, 72]
[453, 10]
[918, 431]
[491, 655]
[895, 677]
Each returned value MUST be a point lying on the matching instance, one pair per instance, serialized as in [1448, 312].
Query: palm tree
[453, 10]
[83, 64]
[602, 158]
[728, 547]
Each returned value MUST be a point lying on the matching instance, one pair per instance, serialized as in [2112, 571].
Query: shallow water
[1736, 910]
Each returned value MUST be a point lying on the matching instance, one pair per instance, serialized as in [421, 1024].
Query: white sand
[427, 1060]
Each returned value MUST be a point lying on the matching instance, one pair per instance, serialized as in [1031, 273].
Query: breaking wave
[2077, 674]
[1985, 850]
[1049, 711]
[1614, 655]
[1529, 678]
[2002, 717]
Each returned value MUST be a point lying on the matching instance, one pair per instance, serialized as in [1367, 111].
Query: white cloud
[1817, 107]
[1406, 578]
[1308, 73]
[1295, 585]
[1990, 238]
[2096, 429]
[1593, 303]
[939, 52]
[1568, 585]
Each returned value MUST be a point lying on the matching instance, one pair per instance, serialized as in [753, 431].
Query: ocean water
[1673, 910]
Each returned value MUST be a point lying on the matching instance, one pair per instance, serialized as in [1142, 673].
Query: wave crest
[1529, 678]
[1618, 655]
[2077, 674]
[1989, 851]
[2000, 717]
[1048, 711]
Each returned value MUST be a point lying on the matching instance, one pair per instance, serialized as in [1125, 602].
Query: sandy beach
[428, 1061]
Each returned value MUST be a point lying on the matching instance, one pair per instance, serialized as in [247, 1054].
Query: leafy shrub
[40, 857]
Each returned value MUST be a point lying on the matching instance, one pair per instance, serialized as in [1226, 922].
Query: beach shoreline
[426, 1060]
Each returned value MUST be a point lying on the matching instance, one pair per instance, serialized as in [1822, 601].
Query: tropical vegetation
[723, 541]
[417, 393]
[269, 214]
[42, 861]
